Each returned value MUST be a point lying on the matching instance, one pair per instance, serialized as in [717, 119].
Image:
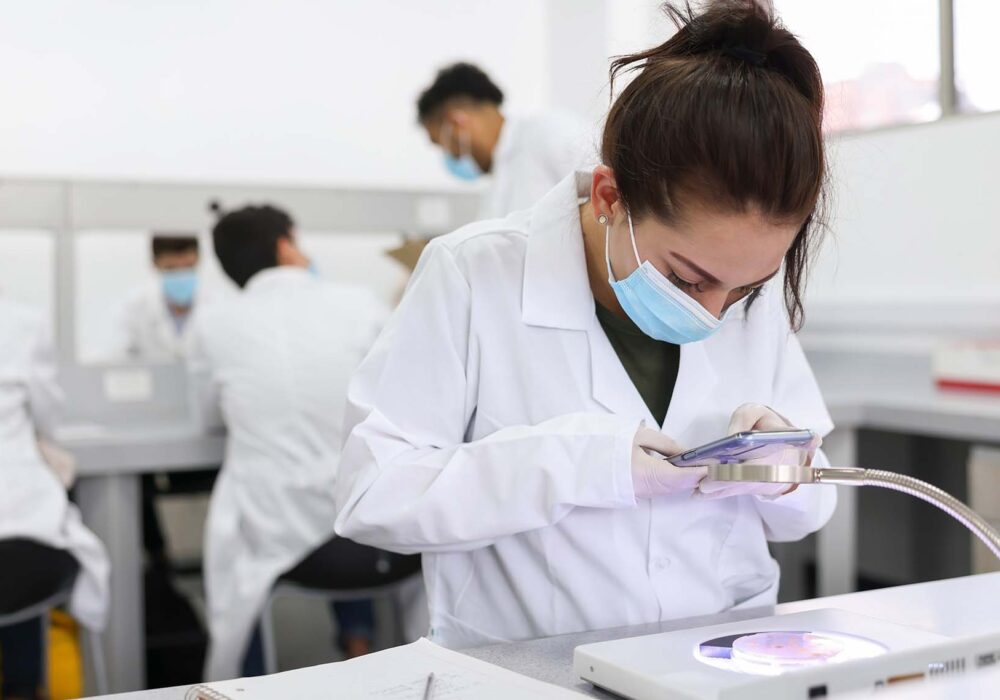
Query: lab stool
[42, 611]
[387, 591]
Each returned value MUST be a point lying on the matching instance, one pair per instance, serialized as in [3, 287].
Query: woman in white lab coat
[34, 509]
[503, 424]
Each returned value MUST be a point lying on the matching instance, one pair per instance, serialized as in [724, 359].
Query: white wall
[248, 90]
[915, 238]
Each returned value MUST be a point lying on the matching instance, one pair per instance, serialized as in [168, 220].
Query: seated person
[153, 322]
[276, 359]
[41, 536]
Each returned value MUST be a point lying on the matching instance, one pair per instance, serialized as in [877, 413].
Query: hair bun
[742, 53]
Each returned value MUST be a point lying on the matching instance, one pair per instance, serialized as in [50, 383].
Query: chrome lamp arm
[850, 476]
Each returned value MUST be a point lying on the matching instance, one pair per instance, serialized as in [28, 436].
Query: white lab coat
[277, 360]
[532, 155]
[143, 328]
[491, 429]
[33, 503]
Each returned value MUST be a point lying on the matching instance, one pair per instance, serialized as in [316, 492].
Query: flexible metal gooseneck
[848, 476]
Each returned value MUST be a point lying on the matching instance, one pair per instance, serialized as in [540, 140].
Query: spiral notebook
[394, 674]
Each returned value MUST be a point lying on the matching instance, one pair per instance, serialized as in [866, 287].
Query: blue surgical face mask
[656, 305]
[179, 286]
[464, 166]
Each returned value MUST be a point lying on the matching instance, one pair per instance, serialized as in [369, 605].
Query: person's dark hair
[173, 243]
[458, 81]
[727, 113]
[246, 240]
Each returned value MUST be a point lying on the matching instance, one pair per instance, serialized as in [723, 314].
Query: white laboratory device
[813, 654]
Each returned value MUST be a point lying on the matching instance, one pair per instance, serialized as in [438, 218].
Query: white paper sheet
[394, 674]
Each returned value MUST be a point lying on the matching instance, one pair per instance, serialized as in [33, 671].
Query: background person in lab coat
[518, 398]
[277, 359]
[153, 322]
[43, 543]
[524, 156]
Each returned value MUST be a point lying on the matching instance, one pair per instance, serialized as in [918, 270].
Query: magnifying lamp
[850, 476]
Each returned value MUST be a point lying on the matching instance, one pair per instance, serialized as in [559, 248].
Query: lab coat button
[661, 563]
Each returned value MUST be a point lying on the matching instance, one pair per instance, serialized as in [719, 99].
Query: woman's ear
[604, 192]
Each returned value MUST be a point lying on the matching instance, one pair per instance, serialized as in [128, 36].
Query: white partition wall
[100, 236]
[915, 233]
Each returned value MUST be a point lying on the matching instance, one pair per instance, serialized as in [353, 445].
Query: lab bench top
[953, 607]
[128, 450]
[887, 392]
[896, 392]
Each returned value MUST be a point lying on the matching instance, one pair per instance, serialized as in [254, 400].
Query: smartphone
[743, 447]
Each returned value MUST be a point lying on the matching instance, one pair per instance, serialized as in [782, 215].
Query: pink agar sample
[786, 648]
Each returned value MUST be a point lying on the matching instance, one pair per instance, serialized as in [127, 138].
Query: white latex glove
[754, 416]
[652, 474]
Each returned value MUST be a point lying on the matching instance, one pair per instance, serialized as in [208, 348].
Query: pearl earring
[602, 219]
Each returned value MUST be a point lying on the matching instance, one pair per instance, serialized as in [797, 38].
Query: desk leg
[837, 542]
[111, 508]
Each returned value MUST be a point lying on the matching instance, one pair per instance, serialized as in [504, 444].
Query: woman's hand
[652, 474]
[754, 416]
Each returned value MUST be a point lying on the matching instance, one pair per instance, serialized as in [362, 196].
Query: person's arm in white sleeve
[408, 479]
[45, 397]
[798, 399]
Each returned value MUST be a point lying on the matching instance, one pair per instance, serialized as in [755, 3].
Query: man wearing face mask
[153, 322]
[524, 157]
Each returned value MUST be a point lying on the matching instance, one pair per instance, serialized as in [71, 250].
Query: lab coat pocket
[748, 574]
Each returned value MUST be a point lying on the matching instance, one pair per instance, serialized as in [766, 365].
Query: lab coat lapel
[557, 294]
[610, 383]
[696, 382]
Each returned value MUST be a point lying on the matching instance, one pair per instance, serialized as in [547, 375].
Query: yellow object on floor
[65, 659]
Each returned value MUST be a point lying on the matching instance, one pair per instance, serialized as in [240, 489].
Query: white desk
[963, 606]
[108, 492]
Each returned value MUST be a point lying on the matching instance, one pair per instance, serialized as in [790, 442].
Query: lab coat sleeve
[203, 389]
[408, 479]
[797, 397]
[45, 398]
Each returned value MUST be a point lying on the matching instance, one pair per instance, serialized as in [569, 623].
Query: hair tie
[751, 56]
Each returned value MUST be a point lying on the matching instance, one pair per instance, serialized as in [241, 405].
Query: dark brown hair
[163, 243]
[246, 240]
[727, 113]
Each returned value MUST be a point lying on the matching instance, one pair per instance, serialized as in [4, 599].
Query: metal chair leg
[267, 637]
[97, 663]
[398, 613]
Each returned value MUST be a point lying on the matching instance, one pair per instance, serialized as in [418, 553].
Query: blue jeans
[355, 618]
[21, 654]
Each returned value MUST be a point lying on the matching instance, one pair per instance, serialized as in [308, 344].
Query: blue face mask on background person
[464, 166]
[656, 305]
[179, 286]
